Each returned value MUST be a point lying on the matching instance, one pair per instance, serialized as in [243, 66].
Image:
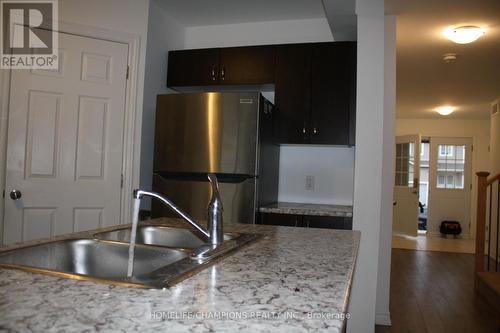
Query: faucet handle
[212, 178]
[215, 201]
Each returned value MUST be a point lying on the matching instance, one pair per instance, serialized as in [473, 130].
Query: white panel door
[65, 141]
[406, 185]
[450, 182]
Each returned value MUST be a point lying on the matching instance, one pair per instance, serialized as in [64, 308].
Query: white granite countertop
[307, 209]
[292, 280]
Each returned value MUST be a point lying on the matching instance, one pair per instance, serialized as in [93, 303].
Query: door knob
[15, 194]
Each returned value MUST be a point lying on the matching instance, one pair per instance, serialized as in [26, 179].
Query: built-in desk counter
[306, 215]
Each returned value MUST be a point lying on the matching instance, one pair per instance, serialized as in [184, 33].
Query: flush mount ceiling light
[449, 57]
[445, 110]
[464, 34]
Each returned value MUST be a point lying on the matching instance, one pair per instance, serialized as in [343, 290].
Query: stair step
[489, 288]
[492, 279]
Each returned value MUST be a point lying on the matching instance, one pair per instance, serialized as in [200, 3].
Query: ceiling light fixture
[445, 110]
[449, 57]
[464, 34]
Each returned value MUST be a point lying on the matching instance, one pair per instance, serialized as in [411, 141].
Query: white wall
[4, 103]
[382, 313]
[494, 169]
[123, 16]
[332, 168]
[259, 33]
[495, 141]
[373, 150]
[478, 130]
[130, 16]
[164, 34]
[119, 15]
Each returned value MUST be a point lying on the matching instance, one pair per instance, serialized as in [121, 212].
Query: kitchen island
[291, 280]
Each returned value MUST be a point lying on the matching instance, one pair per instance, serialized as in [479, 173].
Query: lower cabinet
[305, 221]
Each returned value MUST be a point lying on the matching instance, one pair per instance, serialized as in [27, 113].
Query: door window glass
[450, 166]
[405, 161]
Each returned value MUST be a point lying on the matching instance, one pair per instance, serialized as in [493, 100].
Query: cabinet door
[247, 65]
[327, 222]
[332, 76]
[292, 93]
[287, 220]
[193, 68]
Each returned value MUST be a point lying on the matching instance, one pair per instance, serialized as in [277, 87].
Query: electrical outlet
[309, 183]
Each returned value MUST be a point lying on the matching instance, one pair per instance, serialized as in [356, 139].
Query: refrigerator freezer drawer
[238, 199]
[207, 132]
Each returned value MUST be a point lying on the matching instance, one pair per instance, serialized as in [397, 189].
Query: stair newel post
[482, 185]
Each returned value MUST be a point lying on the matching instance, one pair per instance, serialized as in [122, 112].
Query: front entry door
[450, 182]
[406, 185]
[65, 142]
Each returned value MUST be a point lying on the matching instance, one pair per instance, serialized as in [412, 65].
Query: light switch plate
[309, 183]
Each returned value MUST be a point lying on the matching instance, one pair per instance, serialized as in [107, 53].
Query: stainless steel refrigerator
[229, 134]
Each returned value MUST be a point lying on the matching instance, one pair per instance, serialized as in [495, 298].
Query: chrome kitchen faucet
[213, 233]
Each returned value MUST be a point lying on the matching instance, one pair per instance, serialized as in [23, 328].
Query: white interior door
[406, 184]
[450, 182]
[65, 141]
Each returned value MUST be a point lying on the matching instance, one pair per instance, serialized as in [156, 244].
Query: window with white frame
[441, 181]
[405, 161]
[445, 151]
[450, 167]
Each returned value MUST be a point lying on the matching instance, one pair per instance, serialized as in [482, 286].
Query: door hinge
[121, 181]
[128, 70]
[472, 148]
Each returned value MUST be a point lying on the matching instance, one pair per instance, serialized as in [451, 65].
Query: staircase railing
[488, 215]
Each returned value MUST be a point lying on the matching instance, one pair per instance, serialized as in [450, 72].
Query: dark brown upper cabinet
[292, 93]
[315, 84]
[333, 76]
[315, 93]
[226, 66]
[193, 67]
[247, 65]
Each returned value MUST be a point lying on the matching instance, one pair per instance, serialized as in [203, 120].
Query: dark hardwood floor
[433, 292]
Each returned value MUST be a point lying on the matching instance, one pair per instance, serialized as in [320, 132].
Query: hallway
[433, 292]
[434, 243]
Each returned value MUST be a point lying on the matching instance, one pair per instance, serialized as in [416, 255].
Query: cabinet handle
[213, 73]
[222, 73]
[268, 110]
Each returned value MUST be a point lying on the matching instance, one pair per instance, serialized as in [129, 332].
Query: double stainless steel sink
[162, 256]
[161, 236]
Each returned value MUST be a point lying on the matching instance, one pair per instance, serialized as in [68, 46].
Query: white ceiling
[214, 12]
[424, 81]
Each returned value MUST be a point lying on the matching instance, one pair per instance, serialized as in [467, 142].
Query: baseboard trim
[383, 319]
[438, 234]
